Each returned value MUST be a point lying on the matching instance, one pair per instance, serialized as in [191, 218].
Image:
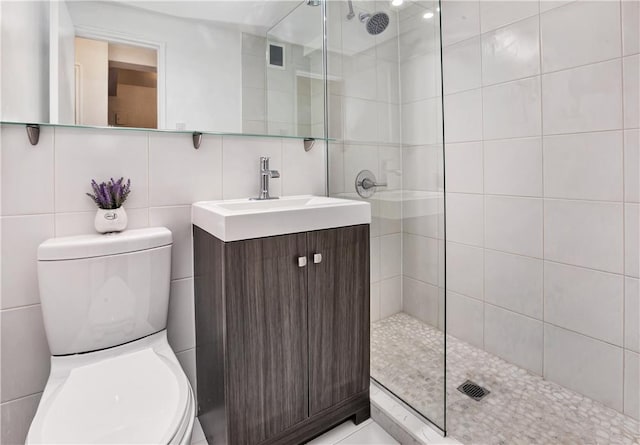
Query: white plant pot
[114, 220]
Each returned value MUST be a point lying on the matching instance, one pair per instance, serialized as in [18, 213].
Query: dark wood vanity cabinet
[282, 347]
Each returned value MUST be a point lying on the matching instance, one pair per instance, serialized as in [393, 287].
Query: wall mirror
[253, 67]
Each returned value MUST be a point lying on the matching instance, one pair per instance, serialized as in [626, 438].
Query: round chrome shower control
[366, 184]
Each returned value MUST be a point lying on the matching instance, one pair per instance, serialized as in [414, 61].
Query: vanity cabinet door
[338, 315]
[266, 337]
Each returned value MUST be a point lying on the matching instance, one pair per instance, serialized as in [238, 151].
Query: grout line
[540, 56]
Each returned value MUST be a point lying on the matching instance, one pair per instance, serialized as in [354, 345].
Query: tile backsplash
[42, 196]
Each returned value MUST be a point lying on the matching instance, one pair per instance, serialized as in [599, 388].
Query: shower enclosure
[385, 118]
[528, 331]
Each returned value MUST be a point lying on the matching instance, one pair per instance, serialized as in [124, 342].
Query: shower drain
[473, 390]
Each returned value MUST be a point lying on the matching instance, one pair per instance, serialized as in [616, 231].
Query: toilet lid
[135, 398]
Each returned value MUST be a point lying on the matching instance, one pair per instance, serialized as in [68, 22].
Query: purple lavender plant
[110, 195]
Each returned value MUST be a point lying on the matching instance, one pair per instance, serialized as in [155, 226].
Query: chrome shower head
[375, 23]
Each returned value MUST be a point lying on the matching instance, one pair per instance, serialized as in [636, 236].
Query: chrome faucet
[265, 174]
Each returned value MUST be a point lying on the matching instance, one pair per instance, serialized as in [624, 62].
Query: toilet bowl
[114, 377]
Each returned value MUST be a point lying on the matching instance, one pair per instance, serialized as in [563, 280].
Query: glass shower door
[385, 117]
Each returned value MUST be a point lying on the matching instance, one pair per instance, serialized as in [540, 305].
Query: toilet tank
[99, 291]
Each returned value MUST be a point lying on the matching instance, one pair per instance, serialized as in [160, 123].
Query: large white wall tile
[460, 19]
[336, 168]
[420, 300]
[494, 14]
[588, 98]
[585, 234]
[512, 109]
[422, 168]
[514, 282]
[513, 337]
[83, 154]
[584, 166]
[356, 159]
[360, 119]
[632, 314]
[513, 167]
[512, 52]
[374, 262]
[303, 172]
[21, 236]
[631, 90]
[420, 258]
[27, 172]
[462, 67]
[465, 319]
[390, 255]
[464, 167]
[241, 166]
[632, 165]
[388, 80]
[514, 225]
[465, 270]
[181, 175]
[464, 116]
[187, 361]
[390, 297]
[420, 77]
[25, 353]
[580, 33]
[630, 27]
[465, 218]
[632, 240]
[16, 418]
[181, 331]
[570, 360]
[178, 220]
[632, 384]
[375, 302]
[421, 122]
[389, 129]
[360, 78]
[585, 301]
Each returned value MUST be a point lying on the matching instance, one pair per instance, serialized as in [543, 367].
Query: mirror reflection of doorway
[116, 84]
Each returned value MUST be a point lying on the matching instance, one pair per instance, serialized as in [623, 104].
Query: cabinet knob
[317, 258]
[302, 261]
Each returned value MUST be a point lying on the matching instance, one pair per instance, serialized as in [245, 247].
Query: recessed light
[397, 2]
[428, 15]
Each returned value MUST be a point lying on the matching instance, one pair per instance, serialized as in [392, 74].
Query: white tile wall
[584, 233]
[584, 300]
[588, 98]
[569, 38]
[569, 361]
[511, 52]
[514, 225]
[514, 337]
[167, 175]
[554, 202]
[513, 167]
[632, 314]
[632, 384]
[584, 166]
[514, 282]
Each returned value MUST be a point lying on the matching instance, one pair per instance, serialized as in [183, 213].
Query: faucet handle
[274, 174]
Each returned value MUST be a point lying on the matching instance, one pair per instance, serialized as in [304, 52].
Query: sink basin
[240, 219]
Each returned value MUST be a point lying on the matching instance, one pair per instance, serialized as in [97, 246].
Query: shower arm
[351, 13]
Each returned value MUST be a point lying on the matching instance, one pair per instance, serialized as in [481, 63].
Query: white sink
[239, 219]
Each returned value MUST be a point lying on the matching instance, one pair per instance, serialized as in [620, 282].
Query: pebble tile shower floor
[522, 408]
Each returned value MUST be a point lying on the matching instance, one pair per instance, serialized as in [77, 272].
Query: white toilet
[114, 378]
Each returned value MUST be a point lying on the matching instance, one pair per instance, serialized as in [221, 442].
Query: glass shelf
[155, 130]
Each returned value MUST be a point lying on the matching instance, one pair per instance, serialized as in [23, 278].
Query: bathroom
[495, 144]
